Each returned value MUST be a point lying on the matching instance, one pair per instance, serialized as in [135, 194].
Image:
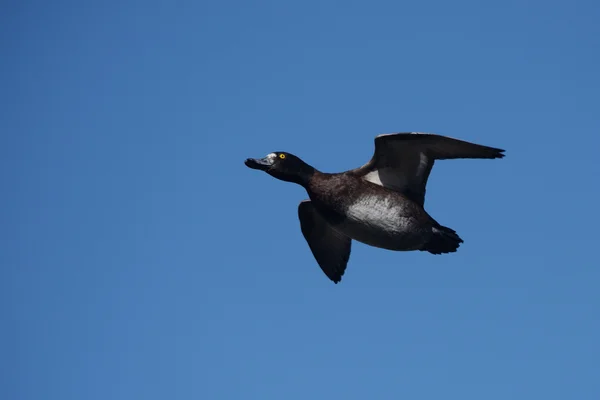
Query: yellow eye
[282, 156]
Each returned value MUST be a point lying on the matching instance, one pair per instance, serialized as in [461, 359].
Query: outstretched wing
[403, 161]
[330, 248]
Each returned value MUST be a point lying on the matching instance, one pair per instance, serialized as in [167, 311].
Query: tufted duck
[379, 204]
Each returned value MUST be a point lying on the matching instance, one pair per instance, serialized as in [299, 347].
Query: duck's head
[284, 166]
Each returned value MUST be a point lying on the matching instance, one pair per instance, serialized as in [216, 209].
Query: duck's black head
[284, 166]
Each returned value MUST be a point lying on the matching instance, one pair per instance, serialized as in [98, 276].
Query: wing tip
[336, 276]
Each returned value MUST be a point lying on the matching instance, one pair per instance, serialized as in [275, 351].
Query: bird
[380, 204]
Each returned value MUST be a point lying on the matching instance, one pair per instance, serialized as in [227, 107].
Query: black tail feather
[444, 240]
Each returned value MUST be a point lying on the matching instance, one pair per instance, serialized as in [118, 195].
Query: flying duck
[379, 204]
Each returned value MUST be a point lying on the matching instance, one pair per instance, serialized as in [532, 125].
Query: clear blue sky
[141, 259]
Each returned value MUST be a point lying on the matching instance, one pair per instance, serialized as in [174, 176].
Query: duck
[380, 204]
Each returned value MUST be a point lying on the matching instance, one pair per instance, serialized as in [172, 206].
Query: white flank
[377, 213]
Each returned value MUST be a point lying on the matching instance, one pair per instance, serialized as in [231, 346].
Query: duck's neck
[304, 175]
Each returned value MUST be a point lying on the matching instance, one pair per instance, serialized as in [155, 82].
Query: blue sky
[142, 260]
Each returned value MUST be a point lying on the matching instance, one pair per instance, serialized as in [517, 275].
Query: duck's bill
[262, 164]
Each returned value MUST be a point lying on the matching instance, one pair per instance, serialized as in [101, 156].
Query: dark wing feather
[330, 248]
[403, 161]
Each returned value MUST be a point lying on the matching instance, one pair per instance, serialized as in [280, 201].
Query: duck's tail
[444, 240]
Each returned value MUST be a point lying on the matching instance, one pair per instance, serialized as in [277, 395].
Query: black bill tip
[262, 164]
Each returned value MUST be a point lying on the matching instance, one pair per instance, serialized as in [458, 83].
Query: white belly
[382, 222]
